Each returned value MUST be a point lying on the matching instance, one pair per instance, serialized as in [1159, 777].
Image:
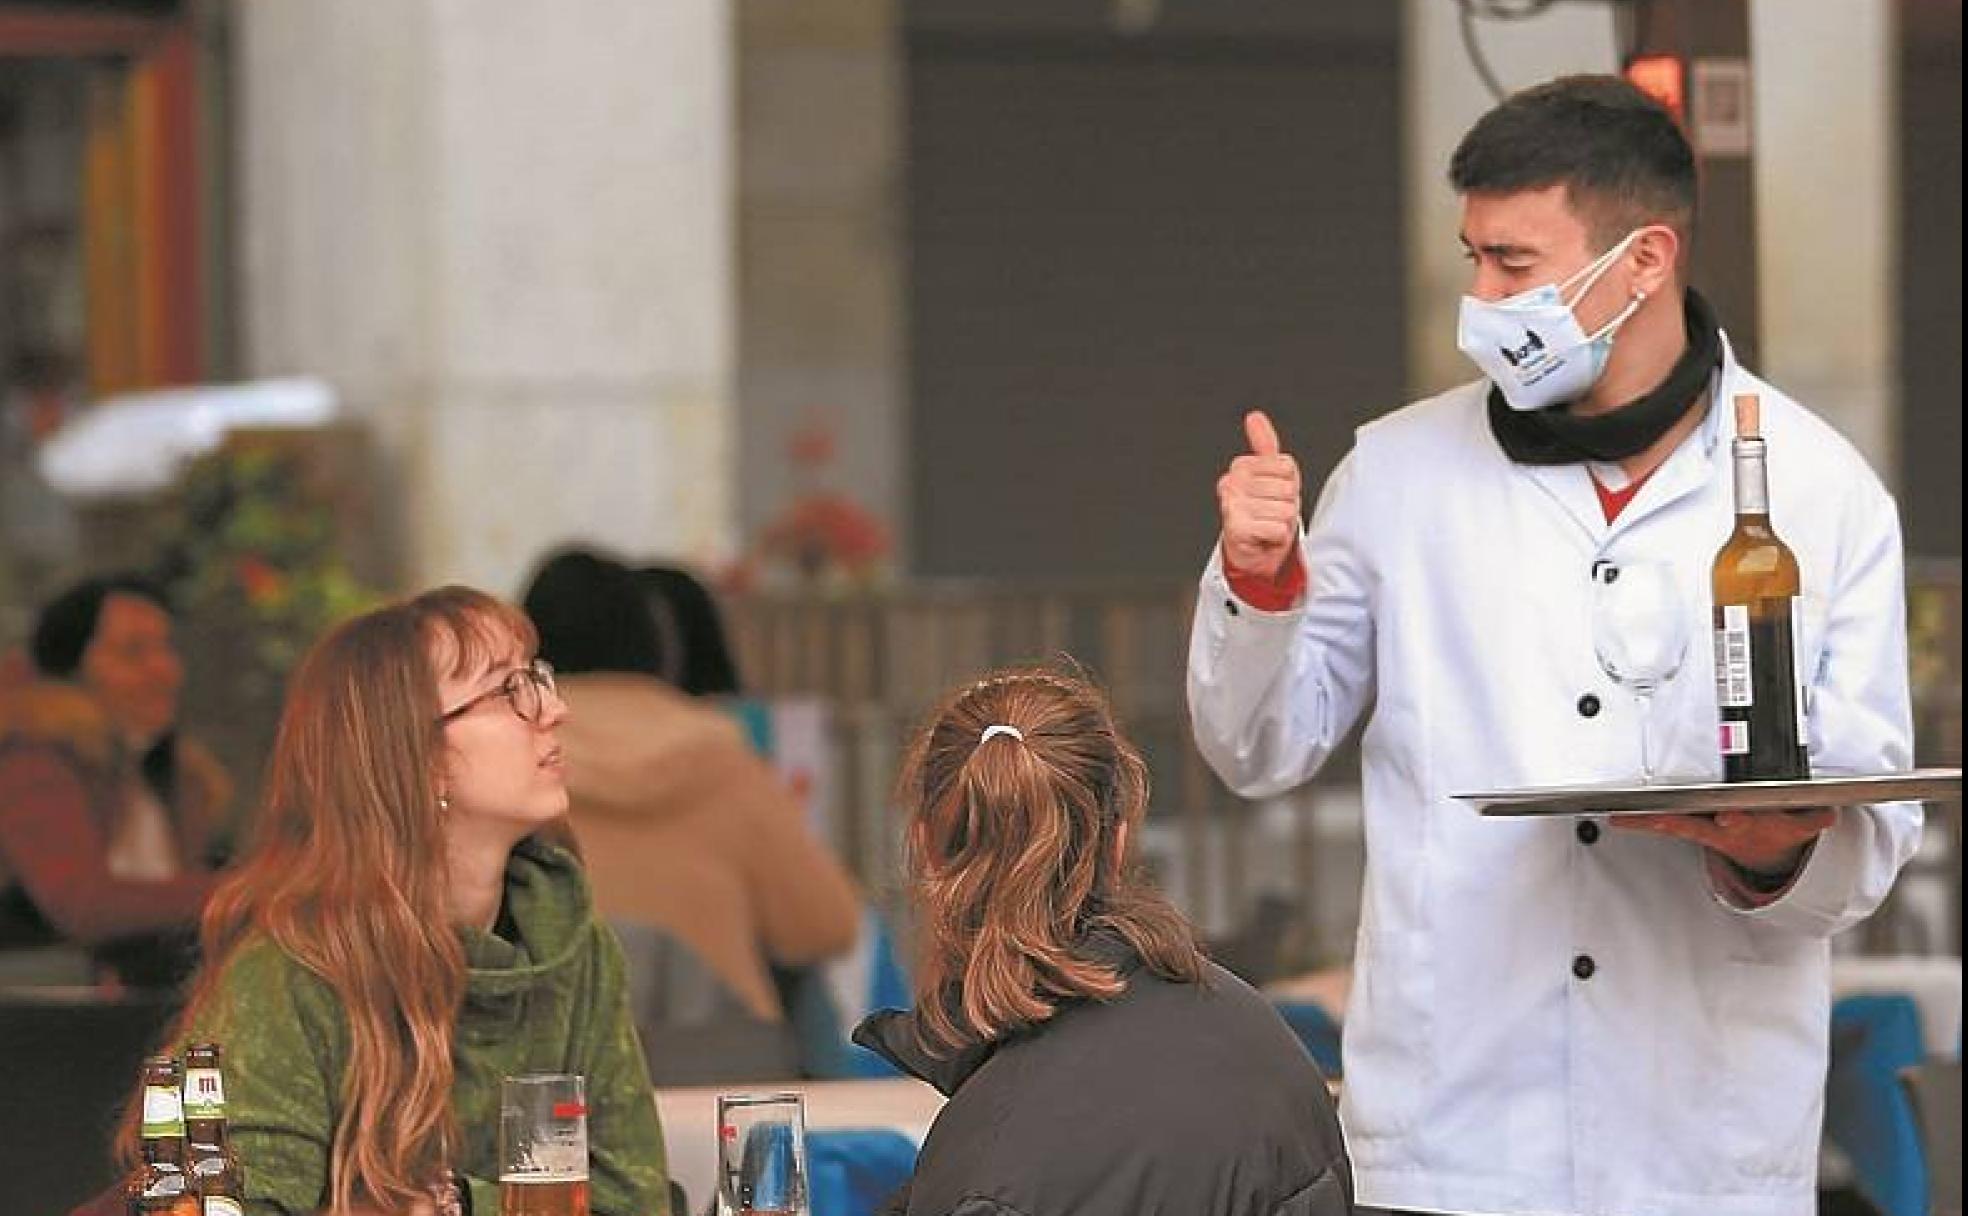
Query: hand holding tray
[1697, 797]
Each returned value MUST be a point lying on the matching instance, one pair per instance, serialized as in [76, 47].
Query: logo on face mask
[1532, 346]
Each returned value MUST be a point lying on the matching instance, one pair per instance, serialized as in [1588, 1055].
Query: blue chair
[1873, 1037]
[830, 1000]
[852, 1171]
[1316, 1029]
[754, 717]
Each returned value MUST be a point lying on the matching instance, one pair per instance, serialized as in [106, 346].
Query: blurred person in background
[1096, 1064]
[112, 822]
[397, 937]
[680, 823]
[692, 647]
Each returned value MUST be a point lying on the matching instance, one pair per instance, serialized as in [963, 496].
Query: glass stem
[1646, 704]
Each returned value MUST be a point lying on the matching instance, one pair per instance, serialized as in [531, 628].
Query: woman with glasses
[397, 938]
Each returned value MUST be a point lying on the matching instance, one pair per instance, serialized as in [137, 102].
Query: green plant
[252, 542]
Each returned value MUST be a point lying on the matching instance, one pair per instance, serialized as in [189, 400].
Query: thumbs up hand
[1258, 497]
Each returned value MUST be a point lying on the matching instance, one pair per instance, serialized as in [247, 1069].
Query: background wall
[1120, 240]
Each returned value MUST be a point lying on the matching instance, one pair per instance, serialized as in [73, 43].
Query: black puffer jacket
[1174, 1100]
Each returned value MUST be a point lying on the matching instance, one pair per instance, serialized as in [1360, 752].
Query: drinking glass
[543, 1145]
[761, 1155]
[1640, 634]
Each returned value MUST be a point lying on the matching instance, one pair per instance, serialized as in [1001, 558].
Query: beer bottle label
[204, 1094]
[163, 1112]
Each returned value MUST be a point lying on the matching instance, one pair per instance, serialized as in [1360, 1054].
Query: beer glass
[761, 1155]
[543, 1145]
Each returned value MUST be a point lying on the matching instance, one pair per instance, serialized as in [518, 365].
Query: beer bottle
[159, 1186]
[215, 1172]
[1755, 583]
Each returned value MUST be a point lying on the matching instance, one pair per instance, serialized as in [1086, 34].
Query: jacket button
[1588, 706]
[1588, 832]
[1230, 606]
[1583, 966]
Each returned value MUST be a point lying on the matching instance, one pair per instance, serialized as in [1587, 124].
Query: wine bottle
[1756, 586]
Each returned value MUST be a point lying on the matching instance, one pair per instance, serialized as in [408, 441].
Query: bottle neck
[1752, 478]
[166, 1149]
[206, 1131]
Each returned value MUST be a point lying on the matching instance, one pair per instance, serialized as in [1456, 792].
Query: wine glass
[1640, 633]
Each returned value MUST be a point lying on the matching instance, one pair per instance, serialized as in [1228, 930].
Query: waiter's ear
[1654, 252]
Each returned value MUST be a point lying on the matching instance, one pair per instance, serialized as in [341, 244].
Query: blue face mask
[1532, 346]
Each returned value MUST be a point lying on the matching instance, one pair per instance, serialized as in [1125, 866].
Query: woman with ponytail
[399, 936]
[1095, 1062]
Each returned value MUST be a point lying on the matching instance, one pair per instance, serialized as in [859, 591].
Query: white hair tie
[1013, 731]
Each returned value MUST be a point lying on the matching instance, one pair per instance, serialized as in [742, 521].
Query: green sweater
[551, 1000]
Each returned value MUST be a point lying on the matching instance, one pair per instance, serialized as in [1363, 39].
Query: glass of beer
[543, 1145]
[761, 1155]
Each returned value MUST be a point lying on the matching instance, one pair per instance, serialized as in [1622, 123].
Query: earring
[443, 804]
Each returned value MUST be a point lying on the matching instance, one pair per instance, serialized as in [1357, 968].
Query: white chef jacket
[1542, 1022]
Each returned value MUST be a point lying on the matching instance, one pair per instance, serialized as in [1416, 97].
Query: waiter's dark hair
[1619, 153]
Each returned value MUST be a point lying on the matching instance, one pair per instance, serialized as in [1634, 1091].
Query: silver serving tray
[1668, 795]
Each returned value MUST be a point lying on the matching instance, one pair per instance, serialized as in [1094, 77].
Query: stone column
[503, 230]
[1827, 194]
[1445, 96]
[822, 331]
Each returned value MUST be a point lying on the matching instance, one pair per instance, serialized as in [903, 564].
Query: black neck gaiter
[1553, 436]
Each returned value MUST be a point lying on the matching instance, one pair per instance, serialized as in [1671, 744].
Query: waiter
[1547, 1016]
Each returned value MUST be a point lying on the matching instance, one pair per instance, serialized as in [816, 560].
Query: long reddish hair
[1014, 857]
[346, 873]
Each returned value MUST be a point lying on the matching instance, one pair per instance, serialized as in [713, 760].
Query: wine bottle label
[1733, 687]
[1735, 738]
[204, 1094]
[163, 1111]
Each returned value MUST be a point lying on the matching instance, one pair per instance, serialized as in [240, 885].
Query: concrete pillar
[503, 230]
[821, 324]
[1827, 193]
[1445, 96]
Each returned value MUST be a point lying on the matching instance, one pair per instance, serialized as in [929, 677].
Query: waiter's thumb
[1261, 435]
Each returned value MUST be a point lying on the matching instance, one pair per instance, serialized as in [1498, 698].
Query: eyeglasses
[524, 688]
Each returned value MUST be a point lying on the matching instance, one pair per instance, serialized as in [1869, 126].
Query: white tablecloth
[689, 1118]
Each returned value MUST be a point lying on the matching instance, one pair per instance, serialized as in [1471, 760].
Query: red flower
[827, 529]
[263, 583]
